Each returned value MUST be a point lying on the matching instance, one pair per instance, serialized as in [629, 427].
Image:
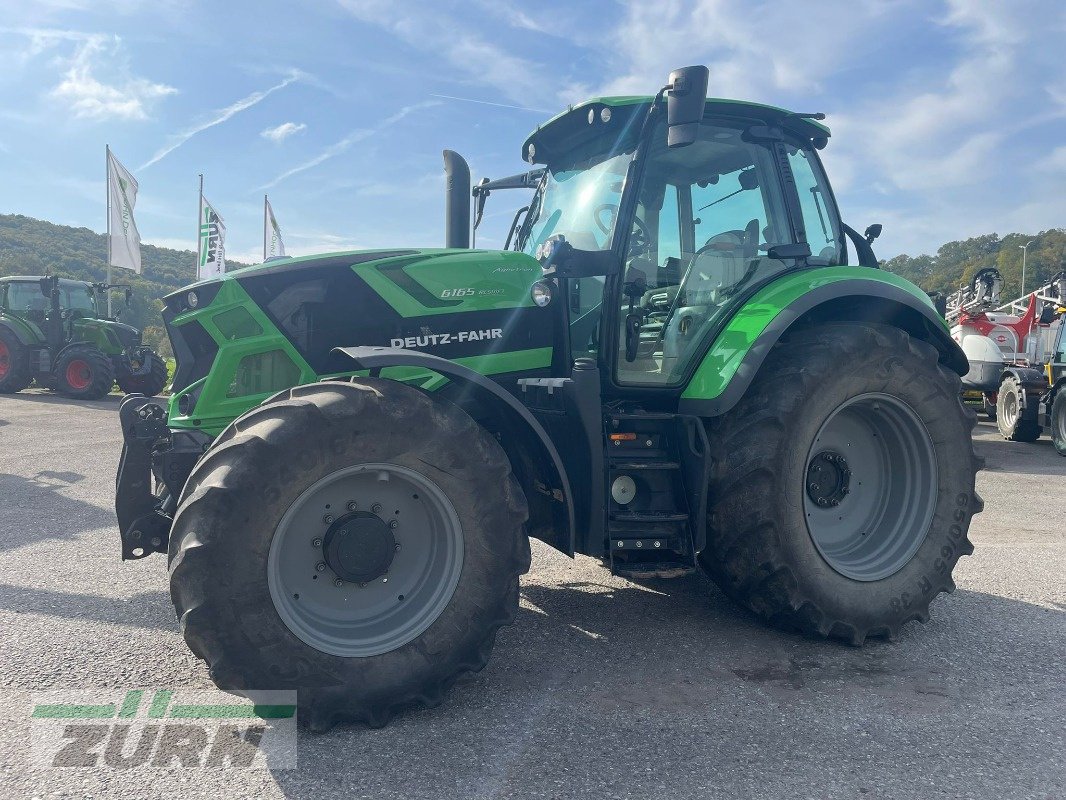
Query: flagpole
[266, 224]
[107, 184]
[199, 222]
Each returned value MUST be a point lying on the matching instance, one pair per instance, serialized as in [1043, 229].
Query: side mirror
[46, 286]
[685, 102]
[129, 297]
[872, 232]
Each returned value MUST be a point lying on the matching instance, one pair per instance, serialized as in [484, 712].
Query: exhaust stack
[456, 201]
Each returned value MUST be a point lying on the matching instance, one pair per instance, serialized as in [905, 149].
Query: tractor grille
[194, 351]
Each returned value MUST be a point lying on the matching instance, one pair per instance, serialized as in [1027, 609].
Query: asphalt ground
[603, 688]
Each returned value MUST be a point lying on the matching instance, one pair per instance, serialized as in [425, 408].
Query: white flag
[124, 245]
[272, 243]
[212, 254]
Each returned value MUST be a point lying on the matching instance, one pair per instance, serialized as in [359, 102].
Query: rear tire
[1016, 424]
[84, 373]
[149, 384]
[1058, 421]
[231, 556]
[14, 371]
[789, 561]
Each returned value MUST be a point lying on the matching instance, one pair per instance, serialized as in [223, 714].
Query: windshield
[77, 297]
[580, 202]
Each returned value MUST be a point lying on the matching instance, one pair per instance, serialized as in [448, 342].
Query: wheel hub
[828, 479]
[359, 547]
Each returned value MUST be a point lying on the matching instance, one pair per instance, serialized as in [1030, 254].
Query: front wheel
[359, 542]
[1017, 422]
[841, 496]
[84, 373]
[149, 383]
[1058, 422]
[14, 372]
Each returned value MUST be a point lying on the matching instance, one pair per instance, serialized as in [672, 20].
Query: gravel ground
[603, 688]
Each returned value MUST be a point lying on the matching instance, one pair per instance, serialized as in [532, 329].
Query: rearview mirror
[872, 232]
[47, 285]
[685, 101]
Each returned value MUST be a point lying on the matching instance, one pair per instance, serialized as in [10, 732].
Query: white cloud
[87, 96]
[439, 34]
[339, 147]
[222, 115]
[282, 131]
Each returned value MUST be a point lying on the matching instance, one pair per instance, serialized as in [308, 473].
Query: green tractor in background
[671, 366]
[52, 331]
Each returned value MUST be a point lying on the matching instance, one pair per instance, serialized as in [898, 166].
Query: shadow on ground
[43, 512]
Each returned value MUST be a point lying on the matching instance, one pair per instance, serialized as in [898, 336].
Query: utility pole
[1025, 252]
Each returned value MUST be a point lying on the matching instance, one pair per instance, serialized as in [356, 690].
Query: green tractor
[671, 366]
[52, 332]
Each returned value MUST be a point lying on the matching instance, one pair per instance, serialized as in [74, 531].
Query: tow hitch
[142, 524]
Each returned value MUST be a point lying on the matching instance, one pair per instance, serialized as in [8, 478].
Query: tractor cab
[28, 299]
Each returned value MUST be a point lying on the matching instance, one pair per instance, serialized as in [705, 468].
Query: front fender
[830, 294]
[535, 460]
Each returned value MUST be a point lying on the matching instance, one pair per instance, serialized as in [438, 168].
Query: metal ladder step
[641, 517]
[641, 465]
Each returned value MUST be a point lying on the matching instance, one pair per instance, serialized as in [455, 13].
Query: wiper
[817, 193]
[720, 199]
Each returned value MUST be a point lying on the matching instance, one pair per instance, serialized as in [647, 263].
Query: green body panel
[426, 283]
[24, 329]
[97, 332]
[718, 367]
[454, 281]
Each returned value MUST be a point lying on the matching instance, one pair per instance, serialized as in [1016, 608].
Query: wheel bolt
[376, 508]
[384, 580]
[397, 545]
[328, 519]
[812, 486]
[352, 505]
[320, 566]
[316, 542]
[394, 523]
[338, 582]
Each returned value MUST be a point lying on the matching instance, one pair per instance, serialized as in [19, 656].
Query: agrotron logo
[167, 729]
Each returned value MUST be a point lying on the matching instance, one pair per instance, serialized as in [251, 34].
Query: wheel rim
[1010, 408]
[79, 375]
[1061, 426]
[5, 360]
[365, 560]
[871, 487]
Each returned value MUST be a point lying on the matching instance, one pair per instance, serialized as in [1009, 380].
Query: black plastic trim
[377, 358]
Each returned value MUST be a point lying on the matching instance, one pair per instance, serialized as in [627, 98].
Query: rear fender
[535, 461]
[804, 299]
[20, 330]
[1032, 382]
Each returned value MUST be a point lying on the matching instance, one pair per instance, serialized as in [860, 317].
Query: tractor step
[664, 543]
[647, 517]
[643, 465]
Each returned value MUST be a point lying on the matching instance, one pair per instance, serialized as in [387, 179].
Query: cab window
[710, 213]
[819, 213]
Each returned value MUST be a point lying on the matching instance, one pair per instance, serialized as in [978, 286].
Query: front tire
[271, 594]
[1058, 421]
[84, 373]
[841, 497]
[150, 384]
[1015, 423]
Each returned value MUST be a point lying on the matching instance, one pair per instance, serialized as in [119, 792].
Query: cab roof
[626, 114]
[37, 278]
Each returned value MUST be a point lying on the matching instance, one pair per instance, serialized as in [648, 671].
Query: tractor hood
[249, 333]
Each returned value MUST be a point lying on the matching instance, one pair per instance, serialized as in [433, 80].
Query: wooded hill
[34, 247]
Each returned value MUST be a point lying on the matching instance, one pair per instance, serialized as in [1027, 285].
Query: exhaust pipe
[456, 201]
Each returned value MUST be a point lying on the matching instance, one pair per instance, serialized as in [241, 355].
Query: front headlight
[192, 299]
[541, 292]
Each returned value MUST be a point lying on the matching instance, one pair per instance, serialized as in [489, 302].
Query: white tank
[986, 361]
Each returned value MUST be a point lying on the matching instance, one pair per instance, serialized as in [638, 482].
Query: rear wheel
[149, 383]
[1058, 421]
[14, 372]
[360, 543]
[84, 373]
[1016, 423]
[840, 498]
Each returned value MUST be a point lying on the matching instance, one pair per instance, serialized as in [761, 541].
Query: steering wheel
[639, 238]
[748, 241]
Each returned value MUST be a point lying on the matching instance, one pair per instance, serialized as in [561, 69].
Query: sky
[948, 116]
